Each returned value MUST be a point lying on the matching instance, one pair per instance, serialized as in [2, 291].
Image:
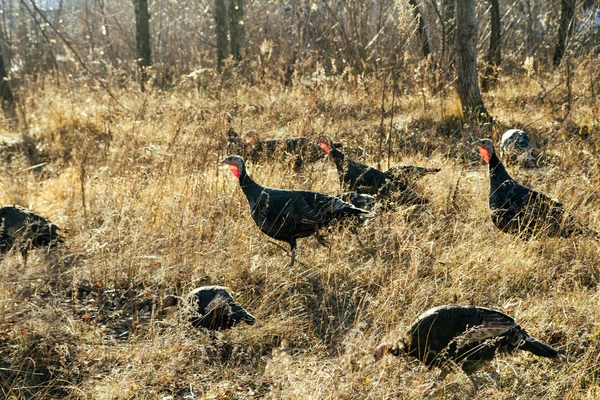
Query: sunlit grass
[150, 212]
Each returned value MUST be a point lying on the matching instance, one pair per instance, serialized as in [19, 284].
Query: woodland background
[111, 129]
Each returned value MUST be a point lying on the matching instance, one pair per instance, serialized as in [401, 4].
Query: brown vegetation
[150, 212]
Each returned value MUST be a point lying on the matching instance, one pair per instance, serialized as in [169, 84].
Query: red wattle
[235, 170]
[485, 154]
[324, 147]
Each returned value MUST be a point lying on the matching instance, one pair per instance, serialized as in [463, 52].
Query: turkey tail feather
[539, 348]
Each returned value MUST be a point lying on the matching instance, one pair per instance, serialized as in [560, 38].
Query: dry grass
[151, 212]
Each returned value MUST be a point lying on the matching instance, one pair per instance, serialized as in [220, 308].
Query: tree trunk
[422, 29]
[565, 29]
[6, 96]
[142, 38]
[466, 60]
[493, 57]
[449, 15]
[236, 28]
[221, 30]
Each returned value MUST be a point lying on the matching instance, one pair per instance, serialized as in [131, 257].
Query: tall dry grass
[150, 212]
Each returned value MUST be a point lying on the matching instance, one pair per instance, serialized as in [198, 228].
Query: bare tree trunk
[142, 38]
[466, 60]
[221, 28]
[6, 96]
[531, 42]
[493, 57]
[567, 11]
[236, 28]
[422, 29]
[449, 15]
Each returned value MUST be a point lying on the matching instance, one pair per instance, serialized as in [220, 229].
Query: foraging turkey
[519, 210]
[515, 146]
[364, 179]
[212, 308]
[23, 230]
[466, 335]
[300, 149]
[363, 201]
[287, 215]
[409, 173]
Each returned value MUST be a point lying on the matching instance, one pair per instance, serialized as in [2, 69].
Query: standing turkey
[364, 179]
[23, 230]
[465, 335]
[212, 308]
[287, 215]
[515, 146]
[521, 211]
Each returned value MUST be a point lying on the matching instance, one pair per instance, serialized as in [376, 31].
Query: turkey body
[287, 215]
[518, 210]
[213, 308]
[466, 335]
[363, 179]
[22, 229]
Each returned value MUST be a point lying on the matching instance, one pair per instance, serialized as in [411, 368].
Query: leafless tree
[422, 28]
[6, 96]
[567, 12]
[221, 31]
[142, 38]
[236, 28]
[493, 57]
[466, 60]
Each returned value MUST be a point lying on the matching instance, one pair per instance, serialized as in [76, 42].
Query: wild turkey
[409, 173]
[287, 215]
[361, 178]
[521, 211]
[301, 150]
[358, 200]
[515, 146]
[23, 230]
[465, 335]
[212, 308]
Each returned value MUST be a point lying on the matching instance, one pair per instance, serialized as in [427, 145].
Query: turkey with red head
[518, 210]
[288, 215]
[361, 178]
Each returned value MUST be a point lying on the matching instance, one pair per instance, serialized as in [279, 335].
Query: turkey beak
[477, 143]
[224, 161]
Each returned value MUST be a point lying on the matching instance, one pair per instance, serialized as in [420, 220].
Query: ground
[150, 211]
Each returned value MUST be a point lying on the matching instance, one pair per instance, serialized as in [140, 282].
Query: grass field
[150, 212]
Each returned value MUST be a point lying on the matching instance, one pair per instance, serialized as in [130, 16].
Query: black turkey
[287, 215]
[363, 201]
[521, 211]
[465, 335]
[212, 308]
[300, 150]
[361, 178]
[409, 173]
[23, 230]
[516, 147]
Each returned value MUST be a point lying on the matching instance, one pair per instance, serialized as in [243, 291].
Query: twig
[77, 57]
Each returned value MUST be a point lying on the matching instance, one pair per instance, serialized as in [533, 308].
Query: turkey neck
[498, 173]
[250, 188]
[338, 159]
